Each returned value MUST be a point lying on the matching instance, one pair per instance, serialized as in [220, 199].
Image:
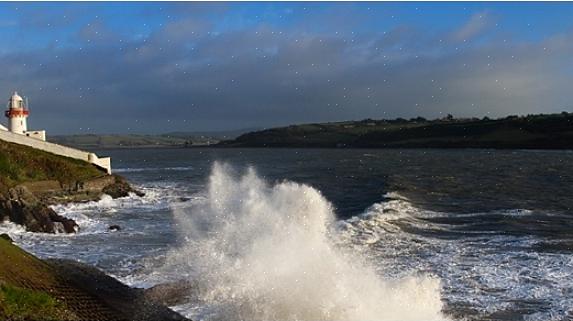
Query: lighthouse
[17, 113]
[18, 133]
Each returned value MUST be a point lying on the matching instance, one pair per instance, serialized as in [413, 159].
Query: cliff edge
[31, 180]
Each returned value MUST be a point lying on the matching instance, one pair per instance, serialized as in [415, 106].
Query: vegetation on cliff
[32, 179]
[553, 131]
[19, 164]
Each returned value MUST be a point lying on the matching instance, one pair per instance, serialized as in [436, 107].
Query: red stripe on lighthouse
[16, 112]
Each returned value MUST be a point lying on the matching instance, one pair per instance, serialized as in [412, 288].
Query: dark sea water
[362, 235]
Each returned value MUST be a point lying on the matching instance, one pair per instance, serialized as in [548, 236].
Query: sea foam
[260, 251]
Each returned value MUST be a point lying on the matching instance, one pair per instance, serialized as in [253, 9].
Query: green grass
[17, 303]
[20, 164]
[23, 304]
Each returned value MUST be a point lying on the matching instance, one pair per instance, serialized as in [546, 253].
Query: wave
[143, 220]
[256, 250]
[265, 252]
[491, 273]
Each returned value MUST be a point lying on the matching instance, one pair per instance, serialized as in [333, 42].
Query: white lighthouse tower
[17, 113]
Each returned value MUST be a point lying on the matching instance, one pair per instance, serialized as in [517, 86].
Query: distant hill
[554, 131]
[174, 139]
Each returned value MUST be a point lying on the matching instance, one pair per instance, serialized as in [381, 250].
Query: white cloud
[475, 26]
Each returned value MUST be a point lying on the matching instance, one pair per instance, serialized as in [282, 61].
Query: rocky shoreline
[31, 181]
[28, 204]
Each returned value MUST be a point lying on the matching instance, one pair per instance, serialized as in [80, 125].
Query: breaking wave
[261, 251]
[482, 274]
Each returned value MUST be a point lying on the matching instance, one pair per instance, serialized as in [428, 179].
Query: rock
[70, 226]
[120, 188]
[114, 228]
[27, 204]
[22, 207]
[170, 294]
[59, 228]
[6, 237]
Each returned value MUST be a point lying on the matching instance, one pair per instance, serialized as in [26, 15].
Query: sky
[157, 67]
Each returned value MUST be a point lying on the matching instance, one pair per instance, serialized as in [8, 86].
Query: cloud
[475, 26]
[97, 32]
[183, 76]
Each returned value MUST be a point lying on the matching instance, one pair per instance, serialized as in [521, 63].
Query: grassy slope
[25, 284]
[18, 303]
[537, 131]
[32, 289]
[20, 164]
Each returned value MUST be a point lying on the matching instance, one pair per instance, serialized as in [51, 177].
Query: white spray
[264, 252]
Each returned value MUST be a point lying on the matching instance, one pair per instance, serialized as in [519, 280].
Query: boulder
[22, 207]
[120, 188]
[6, 237]
[170, 294]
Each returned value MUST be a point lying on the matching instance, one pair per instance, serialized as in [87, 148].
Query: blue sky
[157, 67]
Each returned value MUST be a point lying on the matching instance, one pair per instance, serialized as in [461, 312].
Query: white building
[17, 114]
[17, 132]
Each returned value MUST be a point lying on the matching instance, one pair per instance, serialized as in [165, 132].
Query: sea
[336, 234]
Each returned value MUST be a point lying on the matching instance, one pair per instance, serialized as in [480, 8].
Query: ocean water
[303, 234]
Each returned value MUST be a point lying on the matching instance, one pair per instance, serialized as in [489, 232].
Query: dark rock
[114, 228]
[22, 207]
[27, 204]
[120, 188]
[70, 226]
[6, 237]
[170, 293]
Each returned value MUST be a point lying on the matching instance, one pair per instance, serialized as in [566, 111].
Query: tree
[418, 119]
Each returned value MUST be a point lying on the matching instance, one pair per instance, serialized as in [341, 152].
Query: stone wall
[104, 163]
[38, 134]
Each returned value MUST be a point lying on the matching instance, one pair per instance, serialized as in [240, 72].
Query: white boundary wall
[104, 163]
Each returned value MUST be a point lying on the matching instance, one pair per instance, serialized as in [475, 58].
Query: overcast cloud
[194, 72]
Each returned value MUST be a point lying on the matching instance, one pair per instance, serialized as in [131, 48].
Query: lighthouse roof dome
[16, 97]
